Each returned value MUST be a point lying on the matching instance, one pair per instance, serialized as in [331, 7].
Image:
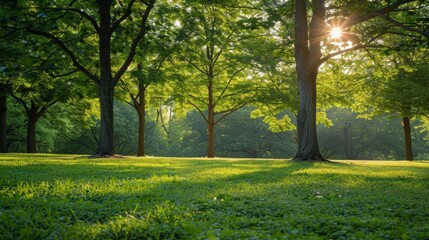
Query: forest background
[212, 78]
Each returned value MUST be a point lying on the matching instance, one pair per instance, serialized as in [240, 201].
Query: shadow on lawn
[124, 169]
[184, 190]
[174, 182]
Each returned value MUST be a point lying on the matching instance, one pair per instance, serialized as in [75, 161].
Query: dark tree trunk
[139, 104]
[210, 106]
[106, 144]
[307, 56]
[142, 119]
[33, 115]
[211, 123]
[31, 133]
[106, 86]
[348, 148]
[407, 137]
[308, 146]
[211, 133]
[3, 126]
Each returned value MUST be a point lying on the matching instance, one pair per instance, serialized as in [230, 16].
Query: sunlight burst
[336, 32]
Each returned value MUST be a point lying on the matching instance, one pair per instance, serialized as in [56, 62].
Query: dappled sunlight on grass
[79, 198]
[388, 169]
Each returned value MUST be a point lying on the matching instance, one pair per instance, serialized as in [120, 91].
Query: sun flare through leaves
[335, 33]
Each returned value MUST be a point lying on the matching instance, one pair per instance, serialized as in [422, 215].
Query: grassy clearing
[69, 197]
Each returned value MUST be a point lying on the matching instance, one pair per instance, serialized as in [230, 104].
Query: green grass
[70, 197]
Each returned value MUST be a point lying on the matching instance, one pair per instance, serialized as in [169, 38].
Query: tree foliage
[217, 81]
[186, 66]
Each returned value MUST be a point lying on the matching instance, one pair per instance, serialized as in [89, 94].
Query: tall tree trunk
[106, 144]
[142, 119]
[3, 126]
[210, 105]
[31, 131]
[211, 133]
[106, 86]
[308, 146]
[407, 137]
[139, 104]
[348, 148]
[211, 122]
[307, 56]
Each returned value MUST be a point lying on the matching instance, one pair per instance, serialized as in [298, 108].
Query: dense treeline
[241, 136]
[216, 78]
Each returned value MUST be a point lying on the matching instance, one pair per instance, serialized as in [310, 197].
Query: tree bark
[348, 147]
[308, 146]
[106, 86]
[31, 134]
[3, 125]
[139, 104]
[210, 122]
[142, 119]
[106, 143]
[211, 133]
[33, 115]
[210, 105]
[307, 56]
[407, 136]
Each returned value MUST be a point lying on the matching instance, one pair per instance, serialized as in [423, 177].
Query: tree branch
[134, 43]
[127, 13]
[83, 14]
[19, 100]
[217, 55]
[67, 50]
[199, 110]
[405, 27]
[356, 19]
[195, 66]
[227, 85]
[359, 46]
[228, 112]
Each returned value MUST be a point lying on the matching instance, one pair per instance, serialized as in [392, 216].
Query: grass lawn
[70, 197]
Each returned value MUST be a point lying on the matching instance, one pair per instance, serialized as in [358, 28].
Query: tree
[3, 111]
[148, 72]
[80, 28]
[37, 76]
[308, 54]
[80, 134]
[400, 93]
[40, 89]
[8, 54]
[240, 136]
[149, 82]
[3, 98]
[217, 82]
[353, 137]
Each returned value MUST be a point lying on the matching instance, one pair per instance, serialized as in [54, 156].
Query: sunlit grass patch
[71, 197]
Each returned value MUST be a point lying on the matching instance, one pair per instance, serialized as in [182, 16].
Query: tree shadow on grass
[120, 169]
[169, 197]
